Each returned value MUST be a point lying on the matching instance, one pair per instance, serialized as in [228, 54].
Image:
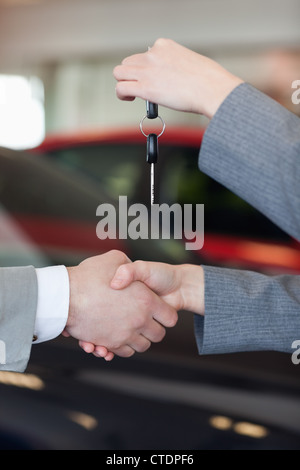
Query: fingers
[124, 351]
[109, 356]
[127, 87]
[101, 351]
[123, 278]
[126, 274]
[65, 334]
[132, 67]
[143, 272]
[129, 90]
[140, 344]
[126, 72]
[154, 332]
[130, 75]
[87, 347]
[97, 351]
[168, 317]
[164, 314]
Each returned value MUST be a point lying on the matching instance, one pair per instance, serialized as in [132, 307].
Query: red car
[113, 163]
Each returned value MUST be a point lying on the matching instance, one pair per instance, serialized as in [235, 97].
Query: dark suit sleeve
[18, 306]
[252, 146]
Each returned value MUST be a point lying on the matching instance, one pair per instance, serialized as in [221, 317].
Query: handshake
[118, 307]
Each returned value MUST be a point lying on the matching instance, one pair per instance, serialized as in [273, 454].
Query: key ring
[162, 121]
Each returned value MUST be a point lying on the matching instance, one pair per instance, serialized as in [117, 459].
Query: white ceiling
[33, 31]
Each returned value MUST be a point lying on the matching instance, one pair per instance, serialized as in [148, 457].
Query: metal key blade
[152, 184]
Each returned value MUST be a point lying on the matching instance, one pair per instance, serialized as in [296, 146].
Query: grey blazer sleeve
[252, 146]
[246, 311]
[18, 306]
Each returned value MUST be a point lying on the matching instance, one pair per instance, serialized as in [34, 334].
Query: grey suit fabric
[18, 306]
[252, 146]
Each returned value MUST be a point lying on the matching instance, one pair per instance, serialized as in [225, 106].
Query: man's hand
[182, 287]
[124, 321]
[176, 77]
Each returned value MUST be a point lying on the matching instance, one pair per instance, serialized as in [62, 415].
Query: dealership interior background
[56, 64]
[66, 51]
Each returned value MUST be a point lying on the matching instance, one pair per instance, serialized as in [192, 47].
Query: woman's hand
[176, 77]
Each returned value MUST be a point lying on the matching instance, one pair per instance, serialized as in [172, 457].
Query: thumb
[128, 273]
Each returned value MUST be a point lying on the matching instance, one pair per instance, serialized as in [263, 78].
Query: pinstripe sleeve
[247, 311]
[252, 146]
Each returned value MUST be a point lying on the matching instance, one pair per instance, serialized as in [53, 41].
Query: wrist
[72, 301]
[192, 288]
[52, 302]
[224, 88]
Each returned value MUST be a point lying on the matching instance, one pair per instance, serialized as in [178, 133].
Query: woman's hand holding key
[175, 77]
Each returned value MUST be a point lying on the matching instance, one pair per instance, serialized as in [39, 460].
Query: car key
[152, 110]
[152, 155]
[152, 143]
[152, 146]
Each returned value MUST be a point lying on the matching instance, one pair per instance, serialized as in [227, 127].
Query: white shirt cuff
[53, 302]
